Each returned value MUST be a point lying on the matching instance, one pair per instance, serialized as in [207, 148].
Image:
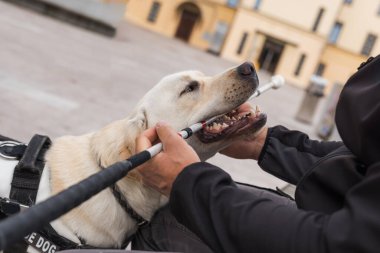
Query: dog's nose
[246, 69]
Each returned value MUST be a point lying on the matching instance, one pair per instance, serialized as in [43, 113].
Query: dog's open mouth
[239, 121]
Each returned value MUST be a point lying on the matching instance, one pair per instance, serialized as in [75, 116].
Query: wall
[298, 42]
[169, 18]
[299, 13]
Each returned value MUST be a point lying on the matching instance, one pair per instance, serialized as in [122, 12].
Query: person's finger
[146, 139]
[168, 136]
[150, 134]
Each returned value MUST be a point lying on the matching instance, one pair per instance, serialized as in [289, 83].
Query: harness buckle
[9, 144]
[9, 207]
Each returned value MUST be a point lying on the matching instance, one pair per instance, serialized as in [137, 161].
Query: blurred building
[297, 38]
[353, 37]
[203, 23]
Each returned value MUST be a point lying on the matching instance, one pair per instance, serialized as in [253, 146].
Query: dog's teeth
[225, 125]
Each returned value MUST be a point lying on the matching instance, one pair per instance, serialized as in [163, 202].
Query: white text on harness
[40, 243]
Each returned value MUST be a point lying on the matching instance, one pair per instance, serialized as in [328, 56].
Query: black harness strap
[5, 138]
[10, 148]
[10, 151]
[27, 174]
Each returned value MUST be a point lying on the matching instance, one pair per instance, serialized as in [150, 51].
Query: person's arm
[281, 152]
[289, 154]
[206, 200]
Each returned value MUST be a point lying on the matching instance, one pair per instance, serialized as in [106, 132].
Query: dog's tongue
[245, 107]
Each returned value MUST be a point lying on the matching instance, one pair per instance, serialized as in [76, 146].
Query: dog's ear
[135, 126]
[117, 141]
[139, 120]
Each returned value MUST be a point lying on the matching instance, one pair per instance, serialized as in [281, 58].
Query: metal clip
[10, 207]
[142, 223]
[8, 144]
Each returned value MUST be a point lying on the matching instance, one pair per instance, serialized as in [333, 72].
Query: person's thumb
[167, 134]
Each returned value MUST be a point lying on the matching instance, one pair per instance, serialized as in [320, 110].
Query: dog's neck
[101, 221]
[116, 143]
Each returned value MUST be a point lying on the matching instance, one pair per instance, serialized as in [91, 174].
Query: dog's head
[185, 98]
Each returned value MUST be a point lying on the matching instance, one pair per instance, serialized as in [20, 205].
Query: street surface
[56, 79]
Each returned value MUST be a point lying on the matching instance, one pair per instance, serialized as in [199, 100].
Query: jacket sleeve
[206, 200]
[289, 154]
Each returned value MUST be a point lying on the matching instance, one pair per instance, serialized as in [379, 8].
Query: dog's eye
[192, 86]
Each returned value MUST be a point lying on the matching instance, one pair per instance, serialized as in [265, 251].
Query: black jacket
[338, 187]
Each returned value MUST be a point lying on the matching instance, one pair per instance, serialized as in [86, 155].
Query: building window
[368, 44]
[232, 3]
[335, 32]
[318, 19]
[242, 43]
[300, 64]
[320, 69]
[257, 4]
[154, 11]
[347, 1]
[217, 40]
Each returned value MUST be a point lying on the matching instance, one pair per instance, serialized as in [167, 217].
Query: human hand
[247, 148]
[162, 170]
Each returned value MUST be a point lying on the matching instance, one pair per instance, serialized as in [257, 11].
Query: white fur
[101, 221]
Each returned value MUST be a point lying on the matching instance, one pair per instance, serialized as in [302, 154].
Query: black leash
[126, 206]
[42, 214]
[24, 189]
[123, 202]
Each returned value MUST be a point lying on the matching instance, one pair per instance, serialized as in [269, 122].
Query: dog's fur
[101, 221]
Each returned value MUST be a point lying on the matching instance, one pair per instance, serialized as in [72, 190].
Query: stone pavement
[56, 79]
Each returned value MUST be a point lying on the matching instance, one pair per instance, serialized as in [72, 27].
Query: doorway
[271, 54]
[190, 15]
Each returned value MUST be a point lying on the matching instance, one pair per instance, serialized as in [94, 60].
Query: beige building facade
[201, 23]
[295, 38]
[286, 37]
[353, 38]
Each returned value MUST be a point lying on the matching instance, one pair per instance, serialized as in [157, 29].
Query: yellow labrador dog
[180, 99]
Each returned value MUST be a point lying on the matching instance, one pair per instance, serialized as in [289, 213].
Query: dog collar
[123, 202]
